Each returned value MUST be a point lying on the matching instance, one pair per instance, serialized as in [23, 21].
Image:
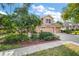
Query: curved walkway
[31, 49]
[34, 48]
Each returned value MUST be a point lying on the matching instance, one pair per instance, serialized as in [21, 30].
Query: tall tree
[7, 20]
[71, 12]
[32, 22]
[26, 20]
[21, 19]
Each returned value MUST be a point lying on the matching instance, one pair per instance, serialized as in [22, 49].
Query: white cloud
[1, 12]
[54, 14]
[41, 10]
[38, 8]
[50, 8]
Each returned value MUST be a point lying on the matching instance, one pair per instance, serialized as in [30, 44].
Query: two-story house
[48, 25]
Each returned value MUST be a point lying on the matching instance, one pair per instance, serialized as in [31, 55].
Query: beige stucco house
[48, 25]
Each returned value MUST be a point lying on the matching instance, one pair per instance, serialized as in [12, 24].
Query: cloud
[56, 15]
[1, 12]
[39, 8]
[50, 8]
[42, 10]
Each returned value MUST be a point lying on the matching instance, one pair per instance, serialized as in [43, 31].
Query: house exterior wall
[45, 22]
[58, 29]
[48, 29]
[46, 26]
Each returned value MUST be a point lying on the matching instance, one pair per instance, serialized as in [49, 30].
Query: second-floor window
[48, 21]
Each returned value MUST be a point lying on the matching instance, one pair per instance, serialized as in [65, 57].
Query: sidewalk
[31, 49]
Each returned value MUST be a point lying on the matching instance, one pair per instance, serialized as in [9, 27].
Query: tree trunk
[29, 34]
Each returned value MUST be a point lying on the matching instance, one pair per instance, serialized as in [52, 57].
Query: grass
[75, 32]
[8, 46]
[63, 50]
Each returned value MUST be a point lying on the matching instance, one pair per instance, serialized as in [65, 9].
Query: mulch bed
[30, 43]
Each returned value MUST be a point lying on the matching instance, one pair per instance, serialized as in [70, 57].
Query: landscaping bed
[63, 50]
[30, 43]
[12, 40]
[22, 44]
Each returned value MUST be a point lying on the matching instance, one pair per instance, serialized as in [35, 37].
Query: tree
[25, 20]
[21, 20]
[7, 23]
[7, 20]
[32, 22]
[21, 15]
[59, 22]
[71, 12]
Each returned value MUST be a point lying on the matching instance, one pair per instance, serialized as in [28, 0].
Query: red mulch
[30, 43]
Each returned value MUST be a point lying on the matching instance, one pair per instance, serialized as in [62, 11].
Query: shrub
[10, 39]
[34, 36]
[67, 31]
[23, 37]
[2, 32]
[75, 32]
[72, 31]
[56, 37]
[46, 36]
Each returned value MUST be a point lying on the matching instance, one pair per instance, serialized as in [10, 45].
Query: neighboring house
[69, 25]
[48, 25]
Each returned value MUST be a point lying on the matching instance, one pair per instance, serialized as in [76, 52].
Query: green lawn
[63, 50]
[8, 46]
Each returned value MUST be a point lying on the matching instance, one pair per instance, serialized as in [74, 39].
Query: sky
[53, 9]
[42, 9]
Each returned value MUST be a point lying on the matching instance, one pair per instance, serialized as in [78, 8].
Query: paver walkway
[31, 49]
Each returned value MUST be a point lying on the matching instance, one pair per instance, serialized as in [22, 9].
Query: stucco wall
[47, 27]
[44, 20]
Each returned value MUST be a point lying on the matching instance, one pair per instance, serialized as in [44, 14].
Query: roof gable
[47, 16]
